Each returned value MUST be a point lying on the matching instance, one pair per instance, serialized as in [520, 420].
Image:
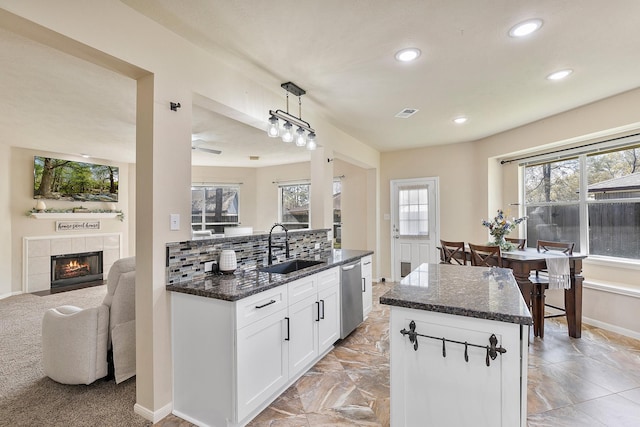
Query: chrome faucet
[286, 242]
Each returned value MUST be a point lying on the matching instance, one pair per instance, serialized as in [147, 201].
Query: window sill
[602, 261]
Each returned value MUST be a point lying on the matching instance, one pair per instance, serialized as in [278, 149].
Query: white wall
[5, 225]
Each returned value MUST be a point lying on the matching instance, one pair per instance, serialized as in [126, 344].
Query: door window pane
[413, 211]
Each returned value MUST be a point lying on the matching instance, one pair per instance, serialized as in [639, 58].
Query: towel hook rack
[492, 349]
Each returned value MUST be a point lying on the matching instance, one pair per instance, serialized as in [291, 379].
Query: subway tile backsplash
[185, 260]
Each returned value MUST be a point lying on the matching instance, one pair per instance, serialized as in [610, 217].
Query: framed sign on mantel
[77, 225]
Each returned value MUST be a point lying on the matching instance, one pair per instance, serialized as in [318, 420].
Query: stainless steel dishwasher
[351, 297]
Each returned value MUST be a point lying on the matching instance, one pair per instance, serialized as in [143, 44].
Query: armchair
[75, 342]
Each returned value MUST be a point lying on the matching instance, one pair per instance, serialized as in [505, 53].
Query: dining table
[524, 262]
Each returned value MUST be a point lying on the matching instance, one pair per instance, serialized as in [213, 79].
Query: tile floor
[589, 382]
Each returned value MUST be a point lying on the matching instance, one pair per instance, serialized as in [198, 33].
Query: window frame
[204, 225]
[583, 201]
[281, 186]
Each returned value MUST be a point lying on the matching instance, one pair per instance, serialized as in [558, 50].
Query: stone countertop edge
[244, 283]
[483, 293]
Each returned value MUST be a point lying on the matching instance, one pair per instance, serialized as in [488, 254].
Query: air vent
[406, 113]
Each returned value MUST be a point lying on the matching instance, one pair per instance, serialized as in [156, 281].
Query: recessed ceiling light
[460, 120]
[525, 28]
[559, 75]
[408, 55]
[86, 156]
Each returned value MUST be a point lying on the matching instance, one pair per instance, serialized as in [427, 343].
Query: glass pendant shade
[287, 132]
[311, 141]
[301, 140]
[273, 130]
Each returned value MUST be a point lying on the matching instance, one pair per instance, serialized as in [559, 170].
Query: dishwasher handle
[350, 267]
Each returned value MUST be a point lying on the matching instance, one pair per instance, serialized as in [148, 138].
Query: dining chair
[541, 283]
[452, 252]
[520, 243]
[486, 256]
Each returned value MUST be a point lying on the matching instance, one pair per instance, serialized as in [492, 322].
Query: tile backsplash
[185, 260]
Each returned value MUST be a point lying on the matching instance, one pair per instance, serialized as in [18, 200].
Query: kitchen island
[239, 340]
[458, 348]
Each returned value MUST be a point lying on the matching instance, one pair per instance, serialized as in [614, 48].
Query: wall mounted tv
[74, 181]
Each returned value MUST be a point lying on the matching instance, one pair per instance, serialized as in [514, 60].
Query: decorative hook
[174, 106]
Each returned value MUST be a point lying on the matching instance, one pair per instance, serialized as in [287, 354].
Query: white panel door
[414, 224]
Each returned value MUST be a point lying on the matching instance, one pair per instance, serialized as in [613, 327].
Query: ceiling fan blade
[207, 150]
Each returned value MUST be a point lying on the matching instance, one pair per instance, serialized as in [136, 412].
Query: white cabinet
[429, 389]
[329, 306]
[367, 285]
[314, 318]
[303, 338]
[258, 380]
[232, 359]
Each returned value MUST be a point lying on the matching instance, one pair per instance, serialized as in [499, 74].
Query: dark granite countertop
[481, 292]
[244, 283]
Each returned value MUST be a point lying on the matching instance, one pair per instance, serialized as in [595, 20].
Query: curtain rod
[502, 162]
[302, 181]
[216, 183]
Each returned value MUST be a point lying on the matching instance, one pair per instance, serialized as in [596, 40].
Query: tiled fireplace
[78, 258]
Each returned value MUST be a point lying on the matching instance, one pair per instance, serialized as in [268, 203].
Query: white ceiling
[342, 54]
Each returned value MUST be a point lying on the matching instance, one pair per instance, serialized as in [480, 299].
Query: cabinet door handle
[322, 316]
[266, 304]
[364, 285]
[318, 312]
[367, 263]
[288, 330]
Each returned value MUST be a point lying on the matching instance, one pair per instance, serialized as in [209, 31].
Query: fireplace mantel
[73, 215]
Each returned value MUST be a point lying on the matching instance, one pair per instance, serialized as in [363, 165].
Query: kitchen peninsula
[239, 340]
[458, 348]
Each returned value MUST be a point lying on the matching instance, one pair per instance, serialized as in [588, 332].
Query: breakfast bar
[458, 355]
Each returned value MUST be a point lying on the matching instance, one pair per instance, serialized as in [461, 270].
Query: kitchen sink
[289, 266]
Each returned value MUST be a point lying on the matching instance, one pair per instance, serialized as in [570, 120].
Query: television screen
[68, 180]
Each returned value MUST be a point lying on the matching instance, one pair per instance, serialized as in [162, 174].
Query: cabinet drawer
[302, 288]
[258, 306]
[328, 278]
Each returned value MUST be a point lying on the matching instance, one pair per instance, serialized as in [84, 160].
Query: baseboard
[10, 294]
[152, 416]
[612, 328]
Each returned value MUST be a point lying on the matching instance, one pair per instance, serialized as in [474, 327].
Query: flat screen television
[74, 181]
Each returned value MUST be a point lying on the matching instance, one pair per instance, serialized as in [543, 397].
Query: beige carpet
[28, 397]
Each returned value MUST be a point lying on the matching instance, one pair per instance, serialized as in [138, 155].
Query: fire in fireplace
[71, 269]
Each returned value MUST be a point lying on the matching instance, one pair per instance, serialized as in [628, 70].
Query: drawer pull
[266, 304]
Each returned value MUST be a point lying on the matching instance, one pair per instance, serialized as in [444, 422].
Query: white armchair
[75, 341]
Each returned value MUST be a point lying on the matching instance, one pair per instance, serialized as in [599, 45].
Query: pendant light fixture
[286, 132]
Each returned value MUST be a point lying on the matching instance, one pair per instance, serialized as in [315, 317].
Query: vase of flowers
[500, 227]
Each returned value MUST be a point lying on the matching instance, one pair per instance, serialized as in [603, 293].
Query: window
[592, 199]
[337, 214]
[294, 206]
[413, 209]
[214, 207]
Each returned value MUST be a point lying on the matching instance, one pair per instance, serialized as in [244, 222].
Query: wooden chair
[520, 243]
[486, 256]
[564, 247]
[452, 252]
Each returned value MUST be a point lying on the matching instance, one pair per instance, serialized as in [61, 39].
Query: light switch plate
[175, 222]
